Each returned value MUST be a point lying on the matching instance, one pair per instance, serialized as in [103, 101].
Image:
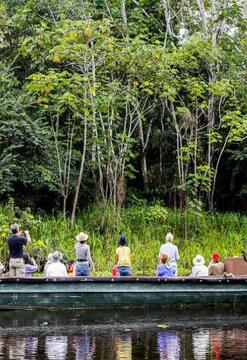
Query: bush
[145, 227]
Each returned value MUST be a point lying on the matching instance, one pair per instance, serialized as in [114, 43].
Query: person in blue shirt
[163, 269]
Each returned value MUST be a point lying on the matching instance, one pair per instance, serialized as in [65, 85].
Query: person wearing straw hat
[84, 261]
[199, 269]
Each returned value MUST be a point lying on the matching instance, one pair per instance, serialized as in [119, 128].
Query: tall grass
[145, 227]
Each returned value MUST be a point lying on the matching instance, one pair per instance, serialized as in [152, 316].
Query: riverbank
[145, 227]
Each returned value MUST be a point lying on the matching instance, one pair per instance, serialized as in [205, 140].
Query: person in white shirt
[199, 269]
[171, 250]
[49, 261]
[56, 268]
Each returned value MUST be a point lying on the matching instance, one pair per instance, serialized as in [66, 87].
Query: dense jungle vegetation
[125, 104]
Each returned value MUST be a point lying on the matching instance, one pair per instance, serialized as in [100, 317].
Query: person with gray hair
[16, 241]
[171, 250]
[49, 261]
[56, 268]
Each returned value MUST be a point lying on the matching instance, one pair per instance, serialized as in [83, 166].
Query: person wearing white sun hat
[84, 261]
[199, 269]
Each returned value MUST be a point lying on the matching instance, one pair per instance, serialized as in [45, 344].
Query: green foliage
[156, 214]
[145, 228]
[155, 99]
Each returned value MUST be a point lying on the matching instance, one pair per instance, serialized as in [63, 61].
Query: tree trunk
[77, 190]
[144, 169]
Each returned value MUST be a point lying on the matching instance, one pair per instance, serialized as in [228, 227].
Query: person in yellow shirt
[123, 257]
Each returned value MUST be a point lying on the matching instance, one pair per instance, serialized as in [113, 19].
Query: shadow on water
[73, 322]
[146, 334]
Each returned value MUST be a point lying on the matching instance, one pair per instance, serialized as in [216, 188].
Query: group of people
[21, 264]
[169, 256]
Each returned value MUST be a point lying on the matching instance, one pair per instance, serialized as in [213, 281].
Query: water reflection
[56, 347]
[31, 347]
[184, 344]
[216, 343]
[84, 347]
[200, 342]
[168, 345]
[123, 345]
[16, 348]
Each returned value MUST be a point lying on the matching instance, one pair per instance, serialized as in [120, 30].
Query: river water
[159, 334]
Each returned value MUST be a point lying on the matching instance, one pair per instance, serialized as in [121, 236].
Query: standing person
[56, 268]
[123, 257]
[15, 245]
[84, 261]
[199, 269]
[164, 269]
[216, 267]
[171, 250]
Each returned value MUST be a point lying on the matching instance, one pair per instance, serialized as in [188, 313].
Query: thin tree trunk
[124, 13]
[77, 190]
[211, 203]
[200, 4]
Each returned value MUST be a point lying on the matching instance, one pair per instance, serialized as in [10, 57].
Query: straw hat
[198, 260]
[81, 237]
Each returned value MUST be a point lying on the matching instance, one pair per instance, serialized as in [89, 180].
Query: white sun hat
[198, 260]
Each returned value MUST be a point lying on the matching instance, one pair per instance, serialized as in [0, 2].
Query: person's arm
[210, 270]
[89, 259]
[27, 235]
[45, 269]
[117, 256]
[176, 254]
[161, 251]
[157, 271]
[65, 271]
[192, 271]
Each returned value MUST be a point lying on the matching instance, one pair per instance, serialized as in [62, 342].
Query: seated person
[115, 271]
[30, 265]
[71, 268]
[123, 257]
[2, 268]
[56, 268]
[49, 261]
[216, 267]
[163, 269]
[199, 269]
